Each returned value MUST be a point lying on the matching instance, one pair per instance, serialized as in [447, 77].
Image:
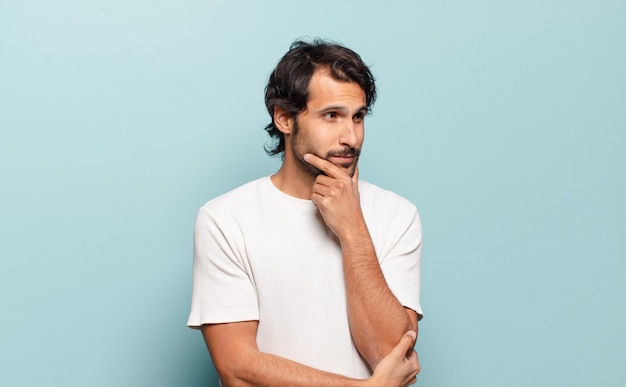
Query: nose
[348, 136]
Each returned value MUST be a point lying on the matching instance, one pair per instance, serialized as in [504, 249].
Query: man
[310, 277]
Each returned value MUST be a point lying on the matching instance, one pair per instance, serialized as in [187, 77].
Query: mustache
[349, 152]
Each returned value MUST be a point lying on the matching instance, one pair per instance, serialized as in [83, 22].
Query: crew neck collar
[286, 199]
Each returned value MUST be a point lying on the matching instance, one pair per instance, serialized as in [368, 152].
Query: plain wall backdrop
[503, 121]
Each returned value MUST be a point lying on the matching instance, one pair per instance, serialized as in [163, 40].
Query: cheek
[361, 136]
[302, 144]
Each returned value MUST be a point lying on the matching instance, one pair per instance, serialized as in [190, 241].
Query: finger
[410, 354]
[318, 200]
[323, 165]
[417, 360]
[324, 180]
[405, 344]
[322, 190]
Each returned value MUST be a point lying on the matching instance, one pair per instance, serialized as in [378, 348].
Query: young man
[310, 277]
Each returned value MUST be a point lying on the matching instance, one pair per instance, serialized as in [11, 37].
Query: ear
[283, 120]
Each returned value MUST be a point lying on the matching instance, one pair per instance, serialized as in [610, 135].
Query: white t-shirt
[260, 254]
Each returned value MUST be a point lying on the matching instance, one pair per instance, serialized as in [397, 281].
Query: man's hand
[336, 195]
[400, 366]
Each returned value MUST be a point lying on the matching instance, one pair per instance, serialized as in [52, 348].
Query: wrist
[355, 235]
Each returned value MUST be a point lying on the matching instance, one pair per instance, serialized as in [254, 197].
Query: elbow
[231, 382]
[229, 377]
[233, 372]
[413, 321]
[375, 352]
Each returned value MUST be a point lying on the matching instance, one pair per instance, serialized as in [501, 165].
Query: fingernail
[307, 156]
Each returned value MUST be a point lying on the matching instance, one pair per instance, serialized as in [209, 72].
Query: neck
[294, 180]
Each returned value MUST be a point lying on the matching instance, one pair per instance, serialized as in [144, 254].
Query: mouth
[345, 158]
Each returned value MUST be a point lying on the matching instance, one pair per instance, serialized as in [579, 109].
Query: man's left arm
[377, 319]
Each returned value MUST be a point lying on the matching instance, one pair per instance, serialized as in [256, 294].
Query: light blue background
[504, 122]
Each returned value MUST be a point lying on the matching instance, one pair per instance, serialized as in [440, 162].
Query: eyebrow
[342, 109]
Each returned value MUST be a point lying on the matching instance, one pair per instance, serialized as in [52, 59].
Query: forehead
[324, 89]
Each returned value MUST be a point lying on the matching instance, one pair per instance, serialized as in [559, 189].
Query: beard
[300, 147]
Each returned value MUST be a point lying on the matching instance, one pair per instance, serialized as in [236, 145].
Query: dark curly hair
[288, 85]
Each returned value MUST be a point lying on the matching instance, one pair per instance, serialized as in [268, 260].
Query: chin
[349, 169]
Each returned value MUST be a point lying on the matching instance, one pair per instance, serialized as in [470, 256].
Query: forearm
[239, 362]
[377, 319]
[254, 368]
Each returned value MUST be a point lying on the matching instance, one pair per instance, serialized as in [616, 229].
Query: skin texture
[332, 123]
[239, 362]
[321, 164]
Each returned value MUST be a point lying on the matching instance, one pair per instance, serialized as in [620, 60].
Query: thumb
[405, 344]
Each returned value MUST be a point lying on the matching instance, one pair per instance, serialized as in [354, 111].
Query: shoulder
[380, 198]
[239, 195]
[385, 210]
[393, 222]
[234, 202]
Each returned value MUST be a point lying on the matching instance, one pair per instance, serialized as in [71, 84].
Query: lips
[345, 157]
[347, 152]
[343, 160]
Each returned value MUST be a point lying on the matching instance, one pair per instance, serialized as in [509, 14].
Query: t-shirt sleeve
[222, 290]
[402, 254]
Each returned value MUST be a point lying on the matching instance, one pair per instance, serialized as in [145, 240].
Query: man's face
[331, 126]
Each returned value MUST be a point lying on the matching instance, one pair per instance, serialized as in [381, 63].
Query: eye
[358, 117]
[331, 115]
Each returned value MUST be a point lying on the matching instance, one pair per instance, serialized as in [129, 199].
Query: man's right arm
[239, 362]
